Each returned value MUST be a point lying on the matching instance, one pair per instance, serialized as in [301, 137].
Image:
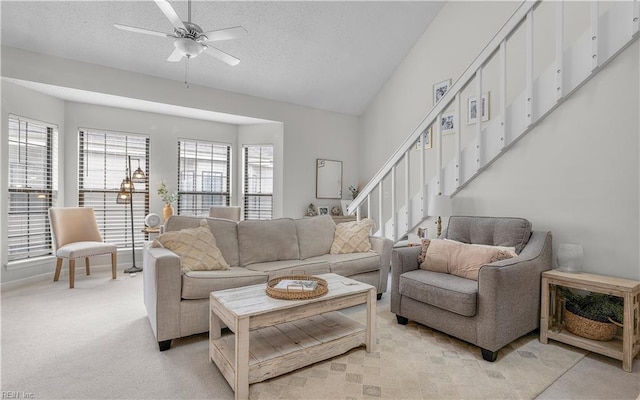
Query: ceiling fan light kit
[189, 39]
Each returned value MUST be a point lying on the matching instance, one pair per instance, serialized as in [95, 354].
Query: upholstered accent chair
[226, 212]
[76, 235]
[491, 312]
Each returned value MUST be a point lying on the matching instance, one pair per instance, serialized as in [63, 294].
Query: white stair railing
[608, 35]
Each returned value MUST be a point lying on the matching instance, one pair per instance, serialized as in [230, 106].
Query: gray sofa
[501, 306]
[178, 304]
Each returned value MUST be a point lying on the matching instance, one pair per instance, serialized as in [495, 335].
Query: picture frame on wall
[472, 109]
[440, 89]
[323, 210]
[448, 123]
[426, 139]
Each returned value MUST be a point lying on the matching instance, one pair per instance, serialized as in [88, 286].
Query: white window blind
[258, 181]
[32, 187]
[204, 171]
[102, 167]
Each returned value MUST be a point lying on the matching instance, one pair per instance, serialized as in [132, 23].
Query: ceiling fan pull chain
[186, 71]
[189, 6]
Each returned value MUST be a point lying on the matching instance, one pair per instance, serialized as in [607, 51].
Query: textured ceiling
[328, 55]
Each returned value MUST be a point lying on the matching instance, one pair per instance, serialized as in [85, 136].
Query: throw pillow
[352, 237]
[460, 259]
[510, 250]
[196, 247]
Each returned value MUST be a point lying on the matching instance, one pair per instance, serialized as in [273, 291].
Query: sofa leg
[164, 345]
[402, 320]
[489, 355]
[379, 296]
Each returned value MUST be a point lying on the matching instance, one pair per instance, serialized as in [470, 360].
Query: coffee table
[273, 337]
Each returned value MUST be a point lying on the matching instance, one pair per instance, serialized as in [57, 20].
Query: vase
[570, 257]
[167, 211]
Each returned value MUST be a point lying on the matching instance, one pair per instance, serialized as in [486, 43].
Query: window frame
[246, 195]
[198, 178]
[37, 236]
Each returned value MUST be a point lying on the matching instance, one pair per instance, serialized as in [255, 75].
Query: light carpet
[95, 342]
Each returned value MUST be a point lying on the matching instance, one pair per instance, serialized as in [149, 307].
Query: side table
[552, 323]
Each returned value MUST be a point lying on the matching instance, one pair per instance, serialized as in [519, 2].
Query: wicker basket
[320, 290]
[588, 328]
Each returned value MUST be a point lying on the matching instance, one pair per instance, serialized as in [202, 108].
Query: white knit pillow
[196, 247]
[352, 237]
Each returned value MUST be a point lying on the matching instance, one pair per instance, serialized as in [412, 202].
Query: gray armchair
[501, 306]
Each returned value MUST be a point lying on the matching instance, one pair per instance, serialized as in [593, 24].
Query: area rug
[415, 362]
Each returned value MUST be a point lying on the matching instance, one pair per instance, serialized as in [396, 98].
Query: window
[258, 182]
[102, 167]
[203, 176]
[32, 187]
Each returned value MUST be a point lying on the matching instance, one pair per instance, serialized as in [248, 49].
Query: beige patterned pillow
[196, 247]
[352, 237]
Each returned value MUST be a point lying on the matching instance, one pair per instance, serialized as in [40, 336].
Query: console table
[552, 323]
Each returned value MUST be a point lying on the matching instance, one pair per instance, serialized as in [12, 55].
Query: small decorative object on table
[570, 257]
[311, 210]
[297, 287]
[168, 198]
[336, 210]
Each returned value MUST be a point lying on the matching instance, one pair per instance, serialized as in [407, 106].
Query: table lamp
[439, 205]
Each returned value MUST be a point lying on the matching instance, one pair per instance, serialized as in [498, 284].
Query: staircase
[608, 34]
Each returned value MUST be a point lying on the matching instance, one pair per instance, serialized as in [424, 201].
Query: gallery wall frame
[440, 89]
[472, 109]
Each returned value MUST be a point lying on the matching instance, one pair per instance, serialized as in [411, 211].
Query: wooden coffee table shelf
[272, 337]
[552, 325]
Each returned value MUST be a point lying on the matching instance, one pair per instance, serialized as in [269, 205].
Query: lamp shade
[124, 195]
[439, 205]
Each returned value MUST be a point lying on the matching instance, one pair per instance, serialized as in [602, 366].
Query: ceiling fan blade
[221, 55]
[170, 13]
[141, 30]
[175, 56]
[225, 34]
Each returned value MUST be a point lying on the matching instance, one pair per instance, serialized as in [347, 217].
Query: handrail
[468, 74]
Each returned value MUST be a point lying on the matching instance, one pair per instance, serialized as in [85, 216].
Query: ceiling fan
[188, 38]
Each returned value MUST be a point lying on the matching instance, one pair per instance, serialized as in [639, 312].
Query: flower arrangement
[163, 192]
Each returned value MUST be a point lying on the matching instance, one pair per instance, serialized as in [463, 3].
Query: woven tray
[287, 294]
[588, 328]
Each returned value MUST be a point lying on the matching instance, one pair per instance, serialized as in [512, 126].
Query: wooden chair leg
[86, 265]
[114, 264]
[72, 272]
[58, 269]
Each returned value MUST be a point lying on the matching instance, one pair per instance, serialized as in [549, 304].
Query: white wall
[308, 133]
[576, 174]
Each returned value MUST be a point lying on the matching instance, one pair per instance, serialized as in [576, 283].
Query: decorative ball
[336, 210]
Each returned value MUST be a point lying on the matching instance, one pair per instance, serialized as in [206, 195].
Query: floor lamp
[125, 196]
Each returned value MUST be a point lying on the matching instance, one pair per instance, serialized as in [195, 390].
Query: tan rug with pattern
[415, 362]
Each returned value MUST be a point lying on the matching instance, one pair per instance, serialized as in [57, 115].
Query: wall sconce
[125, 196]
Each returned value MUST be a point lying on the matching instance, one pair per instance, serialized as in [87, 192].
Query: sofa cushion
[271, 240]
[352, 263]
[291, 267]
[225, 232]
[464, 260]
[352, 237]
[315, 235]
[196, 247]
[199, 284]
[446, 291]
[494, 231]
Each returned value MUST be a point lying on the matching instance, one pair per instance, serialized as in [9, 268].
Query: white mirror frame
[328, 179]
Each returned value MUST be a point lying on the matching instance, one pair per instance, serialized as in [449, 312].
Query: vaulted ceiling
[332, 55]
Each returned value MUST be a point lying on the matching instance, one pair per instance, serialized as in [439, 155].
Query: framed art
[323, 210]
[425, 139]
[448, 123]
[439, 90]
[472, 109]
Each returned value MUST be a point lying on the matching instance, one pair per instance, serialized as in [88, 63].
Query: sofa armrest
[403, 259]
[509, 294]
[382, 246]
[162, 281]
